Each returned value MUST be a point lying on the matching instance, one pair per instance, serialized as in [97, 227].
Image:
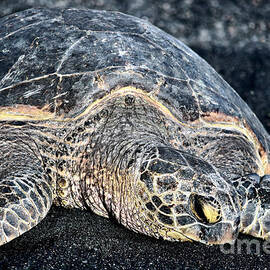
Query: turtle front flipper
[254, 192]
[25, 193]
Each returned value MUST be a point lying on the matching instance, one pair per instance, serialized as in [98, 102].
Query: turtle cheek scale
[180, 204]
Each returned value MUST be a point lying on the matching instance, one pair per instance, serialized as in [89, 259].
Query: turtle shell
[55, 63]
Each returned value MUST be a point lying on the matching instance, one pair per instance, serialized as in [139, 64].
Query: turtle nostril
[237, 222]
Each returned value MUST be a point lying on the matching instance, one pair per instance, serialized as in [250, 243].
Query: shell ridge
[28, 26]
[67, 53]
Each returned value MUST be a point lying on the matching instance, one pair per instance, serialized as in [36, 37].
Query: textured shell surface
[60, 61]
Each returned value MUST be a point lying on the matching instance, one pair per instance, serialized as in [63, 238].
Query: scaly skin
[25, 190]
[125, 158]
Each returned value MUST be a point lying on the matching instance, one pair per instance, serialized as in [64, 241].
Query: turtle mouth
[217, 234]
[206, 235]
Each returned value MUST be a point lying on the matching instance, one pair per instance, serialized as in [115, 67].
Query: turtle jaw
[217, 234]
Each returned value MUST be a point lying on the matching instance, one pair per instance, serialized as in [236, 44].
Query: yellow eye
[205, 209]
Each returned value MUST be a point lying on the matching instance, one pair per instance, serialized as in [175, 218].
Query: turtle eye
[206, 210]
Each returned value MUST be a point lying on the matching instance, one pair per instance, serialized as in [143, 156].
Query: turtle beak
[217, 234]
[229, 236]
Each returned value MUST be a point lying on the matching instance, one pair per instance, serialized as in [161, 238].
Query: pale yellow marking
[210, 213]
[64, 202]
[260, 233]
[63, 193]
[178, 236]
[25, 112]
[63, 183]
[135, 91]
[173, 234]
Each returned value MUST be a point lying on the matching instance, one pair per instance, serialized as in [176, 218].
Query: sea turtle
[103, 111]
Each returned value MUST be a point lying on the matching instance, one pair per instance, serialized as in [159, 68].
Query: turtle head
[184, 198]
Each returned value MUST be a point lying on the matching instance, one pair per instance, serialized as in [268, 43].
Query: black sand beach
[234, 39]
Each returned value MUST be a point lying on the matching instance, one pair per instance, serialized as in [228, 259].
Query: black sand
[232, 37]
